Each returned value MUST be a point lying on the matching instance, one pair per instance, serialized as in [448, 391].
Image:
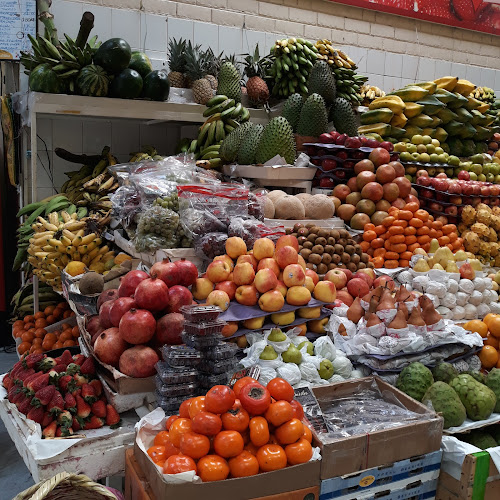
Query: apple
[326, 138]
[287, 240]
[247, 295]
[363, 165]
[357, 287]
[309, 312]
[337, 277]
[309, 284]
[424, 180]
[254, 323]
[218, 298]
[379, 156]
[270, 263]
[282, 288]
[340, 140]
[464, 175]
[248, 258]
[302, 263]
[345, 297]
[313, 275]
[347, 272]
[230, 328]
[284, 318]
[235, 246]
[341, 191]
[327, 183]
[227, 286]
[364, 276]
[370, 272]
[388, 146]
[298, 296]
[265, 280]
[325, 291]
[202, 288]
[385, 281]
[243, 274]
[217, 271]
[225, 258]
[271, 301]
[318, 325]
[286, 255]
[352, 142]
[263, 248]
[328, 164]
[294, 275]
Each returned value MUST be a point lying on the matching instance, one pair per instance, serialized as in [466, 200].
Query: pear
[438, 267]
[476, 265]
[429, 313]
[402, 295]
[443, 255]
[431, 262]
[421, 266]
[460, 256]
[292, 355]
[268, 353]
[386, 301]
[434, 246]
[325, 369]
[398, 322]
[467, 272]
[355, 311]
[452, 267]
[402, 307]
[415, 318]
[372, 320]
[310, 347]
[276, 335]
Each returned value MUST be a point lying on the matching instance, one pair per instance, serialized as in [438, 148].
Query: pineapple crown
[213, 62]
[177, 55]
[231, 58]
[196, 62]
[254, 65]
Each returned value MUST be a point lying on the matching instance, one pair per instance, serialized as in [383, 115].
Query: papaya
[453, 127]
[383, 129]
[435, 121]
[440, 134]
[394, 103]
[421, 121]
[431, 105]
[483, 108]
[446, 115]
[467, 131]
[398, 120]
[472, 103]
[429, 86]
[431, 132]
[411, 93]
[412, 130]
[446, 82]
[464, 87]
[463, 115]
[376, 116]
[397, 132]
[459, 101]
[444, 96]
[482, 133]
[413, 109]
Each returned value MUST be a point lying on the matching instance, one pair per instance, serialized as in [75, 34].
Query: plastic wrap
[466, 286]
[200, 314]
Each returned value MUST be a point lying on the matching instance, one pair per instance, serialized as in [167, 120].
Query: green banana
[34, 215]
[237, 110]
[228, 112]
[82, 212]
[211, 133]
[219, 131]
[27, 209]
[216, 100]
[203, 132]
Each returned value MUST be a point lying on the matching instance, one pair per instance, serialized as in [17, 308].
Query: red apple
[227, 286]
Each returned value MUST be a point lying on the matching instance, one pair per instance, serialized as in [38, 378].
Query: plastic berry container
[180, 356]
[173, 376]
[207, 380]
[220, 352]
[201, 343]
[169, 404]
[204, 329]
[217, 367]
[174, 390]
[200, 314]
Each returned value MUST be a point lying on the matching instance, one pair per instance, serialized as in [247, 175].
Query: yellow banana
[88, 239]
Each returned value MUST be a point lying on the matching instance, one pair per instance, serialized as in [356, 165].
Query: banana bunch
[369, 93]
[223, 115]
[484, 94]
[23, 300]
[147, 153]
[333, 56]
[55, 244]
[292, 61]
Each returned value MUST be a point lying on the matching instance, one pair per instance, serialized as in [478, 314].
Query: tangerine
[477, 326]
[488, 356]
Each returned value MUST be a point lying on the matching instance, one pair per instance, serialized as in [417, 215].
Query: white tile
[473, 74]
[102, 21]
[68, 15]
[362, 59]
[378, 81]
[426, 69]
[125, 137]
[44, 131]
[406, 81]
[67, 134]
[391, 83]
[458, 69]
[153, 32]
[206, 35]
[126, 24]
[180, 28]
[230, 40]
[158, 59]
[61, 166]
[375, 62]
[443, 68]
[270, 40]
[251, 39]
[96, 135]
[393, 64]
[497, 79]
[409, 68]
[43, 178]
[487, 77]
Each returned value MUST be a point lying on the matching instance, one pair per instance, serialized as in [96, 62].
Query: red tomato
[184, 408]
[299, 411]
[240, 383]
[244, 465]
[207, 423]
[228, 444]
[179, 463]
[280, 412]
[212, 468]
[255, 398]
[280, 389]
[235, 419]
[219, 399]
[194, 445]
[170, 420]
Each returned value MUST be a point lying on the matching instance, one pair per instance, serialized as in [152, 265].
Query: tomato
[179, 463]
[299, 411]
[279, 389]
[236, 418]
[244, 465]
[177, 429]
[290, 432]
[219, 399]
[207, 423]
[184, 408]
[197, 405]
[170, 421]
[271, 457]
[307, 434]
[259, 431]
[278, 413]
[157, 454]
[212, 468]
[194, 445]
[228, 444]
[255, 398]
[240, 383]
[161, 438]
[299, 452]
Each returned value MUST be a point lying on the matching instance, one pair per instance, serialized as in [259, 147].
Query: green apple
[449, 172]
[411, 170]
[268, 353]
[409, 177]
[481, 177]
[310, 347]
[405, 156]
[421, 148]
[411, 148]
[431, 148]
[495, 169]
[454, 160]
[439, 150]
[427, 139]
[417, 139]
[435, 142]
[473, 176]
[486, 169]
[325, 369]
[434, 157]
[400, 147]
[292, 355]
[415, 156]
[440, 170]
[442, 158]
[424, 157]
[490, 178]
[497, 179]
[431, 171]
[477, 168]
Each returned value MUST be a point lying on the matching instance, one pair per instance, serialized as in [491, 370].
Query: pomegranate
[152, 294]
[119, 308]
[129, 283]
[187, 272]
[93, 325]
[379, 156]
[167, 271]
[137, 326]
[109, 346]
[178, 296]
[110, 294]
[169, 329]
[95, 336]
[138, 361]
[104, 318]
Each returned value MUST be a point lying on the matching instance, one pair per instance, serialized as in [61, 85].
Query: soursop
[493, 382]
[446, 401]
[480, 377]
[415, 380]
[444, 372]
[291, 110]
[313, 119]
[276, 139]
[481, 439]
[479, 400]
[344, 117]
[229, 82]
[248, 146]
[321, 81]
[231, 144]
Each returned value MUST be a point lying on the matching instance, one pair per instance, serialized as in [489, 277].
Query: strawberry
[79, 359]
[7, 382]
[13, 392]
[64, 431]
[22, 374]
[18, 398]
[25, 406]
[50, 430]
[80, 379]
[56, 404]
[36, 414]
[112, 416]
[66, 383]
[65, 419]
[88, 367]
[59, 368]
[78, 423]
[96, 384]
[38, 383]
[46, 364]
[72, 368]
[44, 396]
[70, 402]
[93, 423]
[47, 419]
[28, 379]
[99, 409]
[88, 393]
[82, 408]
[65, 358]
[31, 360]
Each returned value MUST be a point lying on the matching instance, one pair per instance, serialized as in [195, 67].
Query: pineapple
[213, 67]
[256, 87]
[177, 62]
[196, 69]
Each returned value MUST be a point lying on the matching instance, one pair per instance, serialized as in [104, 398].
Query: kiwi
[321, 241]
[305, 252]
[310, 265]
[324, 233]
[294, 234]
[339, 249]
[301, 240]
[350, 241]
[326, 258]
[329, 249]
[342, 266]
[335, 234]
[365, 258]
[332, 266]
[297, 226]
[352, 267]
[344, 233]
[315, 230]
[358, 249]
[349, 249]
[309, 225]
[346, 258]
[342, 241]
[361, 265]
[314, 258]
[336, 258]
[370, 265]
[322, 269]
[355, 258]
[311, 237]
[307, 244]
[303, 231]
[288, 230]
[91, 283]
[331, 240]
[318, 249]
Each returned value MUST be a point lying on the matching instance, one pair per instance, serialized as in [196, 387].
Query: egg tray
[173, 376]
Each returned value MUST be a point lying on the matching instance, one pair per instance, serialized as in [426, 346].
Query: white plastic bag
[290, 372]
[495, 307]
[420, 283]
[462, 298]
[435, 300]
[324, 347]
[466, 286]
[449, 300]
[309, 372]
[476, 298]
[483, 310]
[445, 312]
[479, 284]
[458, 313]
[437, 289]
[267, 374]
[470, 311]
[342, 366]
[452, 286]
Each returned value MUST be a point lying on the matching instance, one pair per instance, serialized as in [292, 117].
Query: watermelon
[93, 81]
[113, 55]
[127, 85]
[156, 86]
[141, 63]
[44, 79]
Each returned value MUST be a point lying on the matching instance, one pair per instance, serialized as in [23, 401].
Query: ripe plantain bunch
[56, 243]
[147, 153]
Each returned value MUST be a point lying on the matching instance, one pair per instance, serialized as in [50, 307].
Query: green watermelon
[156, 86]
[113, 55]
[44, 79]
[93, 81]
[141, 63]
[127, 85]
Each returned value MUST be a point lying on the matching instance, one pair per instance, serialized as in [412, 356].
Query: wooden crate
[479, 480]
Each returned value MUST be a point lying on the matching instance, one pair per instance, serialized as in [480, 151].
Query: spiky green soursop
[444, 372]
[321, 81]
[481, 439]
[231, 144]
[313, 119]
[446, 401]
[480, 377]
[343, 117]
[277, 139]
[229, 82]
[493, 382]
[291, 110]
[479, 400]
[414, 380]
[248, 146]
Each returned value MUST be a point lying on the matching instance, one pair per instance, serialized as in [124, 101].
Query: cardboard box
[356, 453]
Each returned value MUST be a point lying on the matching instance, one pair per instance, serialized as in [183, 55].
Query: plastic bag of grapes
[157, 228]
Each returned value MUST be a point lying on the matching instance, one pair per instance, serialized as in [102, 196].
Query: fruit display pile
[488, 328]
[279, 205]
[208, 434]
[61, 394]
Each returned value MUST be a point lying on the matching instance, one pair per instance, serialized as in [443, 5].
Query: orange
[477, 326]
[488, 356]
[494, 326]
[489, 317]
[492, 341]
